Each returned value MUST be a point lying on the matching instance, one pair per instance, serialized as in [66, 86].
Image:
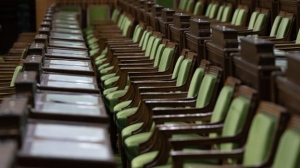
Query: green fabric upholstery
[142, 39]
[275, 26]
[16, 72]
[253, 19]
[147, 36]
[213, 11]
[189, 6]
[97, 12]
[233, 20]
[127, 131]
[260, 137]
[166, 59]
[106, 77]
[158, 54]
[207, 12]
[156, 43]
[177, 66]
[132, 142]
[226, 14]
[184, 72]
[109, 90]
[206, 90]
[195, 82]
[149, 46]
[115, 15]
[139, 161]
[235, 120]
[283, 28]
[122, 115]
[92, 52]
[126, 28]
[122, 105]
[198, 10]
[222, 104]
[298, 38]
[113, 97]
[182, 4]
[288, 152]
[220, 12]
[110, 81]
[240, 17]
[259, 23]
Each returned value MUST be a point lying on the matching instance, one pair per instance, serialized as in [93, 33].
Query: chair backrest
[283, 27]
[155, 45]
[207, 12]
[121, 19]
[298, 38]
[146, 39]
[260, 22]
[189, 6]
[177, 66]
[264, 128]
[149, 46]
[158, 54]
[226, 13]
[288, 152]
[220, 12]
[206, 88]
[275, 26]
[252, 20]
[213, 11]
[137, 33]
[184, 71]
[115, 15]
[235, 120]
[240, 17]
[197, 79]
[234, 16]
[182, 4]
[166, 59]
[126, 27]
[198, 10]
[16, 72]
[142, 38]
[224, 99]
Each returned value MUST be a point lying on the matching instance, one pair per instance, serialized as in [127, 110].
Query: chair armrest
[155, 78]
[174, 111]
[134, 61]
[160, 119]
[169, 103]
[180, 156]
[161, 95]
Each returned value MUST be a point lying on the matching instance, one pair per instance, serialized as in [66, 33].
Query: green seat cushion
[92, 40]
[288, 152]
[140, 160]
[283, 28]
[109, 90]
[252, 20]
[112, 98]
[132, 144]
[206, 90]
[122, 105]
[110, 81]
[121, 117]
[94, 51]
[127, 131]
[94, 46]
[106, 70]
[195, 82]
[275, 26]
[100, 63]
[106, 77]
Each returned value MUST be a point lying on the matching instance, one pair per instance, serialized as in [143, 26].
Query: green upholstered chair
[213, 11]
[226, 13]
[199, 6]
[252, 20]
[189, 6]
[167, 57]
[234, 16]
[283, 28]
[16, 72]
[208, 9]
[268, 124]
[182, 4]
[182, 69]
[241, 16]
[275, 26]
[236, 123]
[220, 13]
[288, 153]
[216, 116]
